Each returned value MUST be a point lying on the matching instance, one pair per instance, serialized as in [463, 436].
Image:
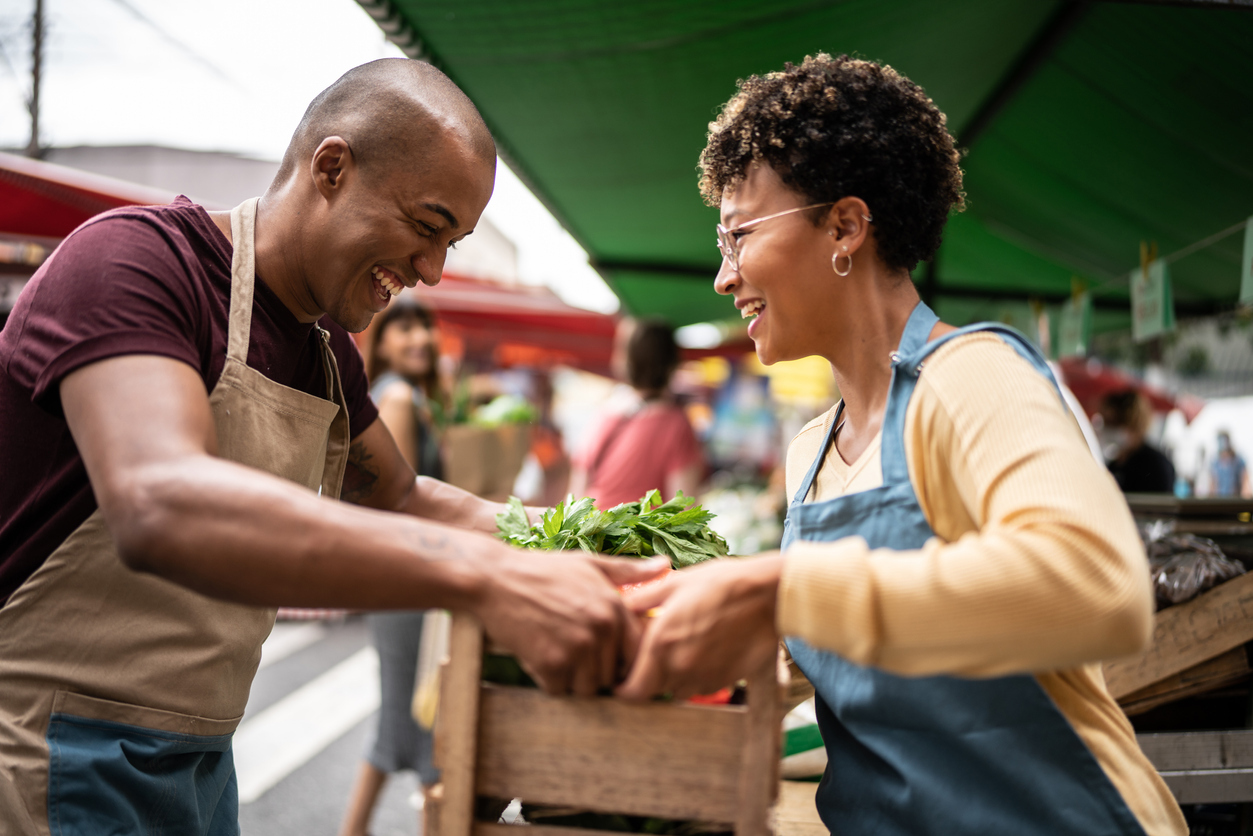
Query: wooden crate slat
[1182, 751]
[457, 724]
[611, 756]
[1203, 767]
[762, 751]
[1187, 635]
[1222, 670]
[1216, 786]
[482, 828]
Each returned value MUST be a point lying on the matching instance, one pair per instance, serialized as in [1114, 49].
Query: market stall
[40, 204]
[1189, 695]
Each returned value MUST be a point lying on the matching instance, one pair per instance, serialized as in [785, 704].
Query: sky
[231, 75]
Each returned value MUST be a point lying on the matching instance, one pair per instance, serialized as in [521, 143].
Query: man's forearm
[239, 534]
[436, 500]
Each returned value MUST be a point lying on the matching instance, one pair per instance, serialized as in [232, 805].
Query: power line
[178, 44]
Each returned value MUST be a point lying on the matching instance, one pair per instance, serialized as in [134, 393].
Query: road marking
[288, 734]
[287, 639]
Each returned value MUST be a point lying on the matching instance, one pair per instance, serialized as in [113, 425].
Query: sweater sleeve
[1036, 564]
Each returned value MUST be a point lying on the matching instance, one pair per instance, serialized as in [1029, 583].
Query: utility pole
[37, 51]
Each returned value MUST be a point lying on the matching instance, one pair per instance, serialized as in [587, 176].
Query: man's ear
[332, 160]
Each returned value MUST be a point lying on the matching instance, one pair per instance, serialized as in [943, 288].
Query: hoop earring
[835, 264]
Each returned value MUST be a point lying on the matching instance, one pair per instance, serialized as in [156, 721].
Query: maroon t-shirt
[138, 280]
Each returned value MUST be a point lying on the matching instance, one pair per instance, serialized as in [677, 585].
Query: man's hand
[714, 625]
[560, 613]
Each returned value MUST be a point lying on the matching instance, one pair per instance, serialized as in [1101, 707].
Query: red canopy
[50, 201]
[519, 325]
[1091, 380]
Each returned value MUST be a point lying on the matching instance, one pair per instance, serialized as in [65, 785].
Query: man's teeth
[752, 309]
[385, 281]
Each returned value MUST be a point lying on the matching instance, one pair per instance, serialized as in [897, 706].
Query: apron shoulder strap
[808, 482]
[243, 277]
[907, 366]
[914, 337]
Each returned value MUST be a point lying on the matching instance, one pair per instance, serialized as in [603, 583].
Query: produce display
[505, 409]
[1184, 565]
[679, 529]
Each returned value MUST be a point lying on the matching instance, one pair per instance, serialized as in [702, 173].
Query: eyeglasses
[729, 245]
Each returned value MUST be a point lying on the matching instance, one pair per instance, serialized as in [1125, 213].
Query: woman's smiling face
[784, 283]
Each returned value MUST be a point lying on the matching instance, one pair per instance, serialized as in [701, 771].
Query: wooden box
[485, 460]
[715, 764]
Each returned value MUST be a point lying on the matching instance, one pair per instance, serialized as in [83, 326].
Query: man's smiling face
[390, 226]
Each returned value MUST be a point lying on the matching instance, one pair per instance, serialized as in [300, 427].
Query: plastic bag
[1184, 565]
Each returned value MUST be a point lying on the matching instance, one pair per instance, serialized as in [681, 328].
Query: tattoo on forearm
[438, 546]
[361, 476]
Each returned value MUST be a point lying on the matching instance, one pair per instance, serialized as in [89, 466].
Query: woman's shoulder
[390, 386]
[980, 363]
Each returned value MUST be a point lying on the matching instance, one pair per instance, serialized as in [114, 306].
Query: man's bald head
[390, 112]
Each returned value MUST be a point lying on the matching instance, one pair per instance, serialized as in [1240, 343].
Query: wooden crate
[1192, 642]
[717, 764]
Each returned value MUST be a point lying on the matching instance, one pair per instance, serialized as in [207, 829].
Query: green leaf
[677, 529]
[512, 521]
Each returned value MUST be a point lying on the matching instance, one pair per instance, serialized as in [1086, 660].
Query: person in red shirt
[180, 402]
[644, 440]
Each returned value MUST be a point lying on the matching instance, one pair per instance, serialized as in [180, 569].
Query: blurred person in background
[402, 362]
[1138, 467]
[644, 441]
[1228, 474]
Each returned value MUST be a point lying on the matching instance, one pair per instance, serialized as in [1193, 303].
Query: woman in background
[402, 363]
[647, 442]
[1138, 467]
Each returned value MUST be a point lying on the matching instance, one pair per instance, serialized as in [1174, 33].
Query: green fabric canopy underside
[1137, 126]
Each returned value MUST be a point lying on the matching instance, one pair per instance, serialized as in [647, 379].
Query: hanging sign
[1152, 305]
[1023, 319]
[1246, 266]
[1074, 327]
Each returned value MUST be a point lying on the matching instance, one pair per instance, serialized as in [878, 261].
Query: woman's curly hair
[839, 127]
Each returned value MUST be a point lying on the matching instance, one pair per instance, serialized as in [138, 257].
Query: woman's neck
[860, 350]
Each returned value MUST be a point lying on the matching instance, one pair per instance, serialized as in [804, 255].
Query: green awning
[1090, 126]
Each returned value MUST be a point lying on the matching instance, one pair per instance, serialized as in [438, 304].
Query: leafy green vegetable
[504, 409]
[679, 529]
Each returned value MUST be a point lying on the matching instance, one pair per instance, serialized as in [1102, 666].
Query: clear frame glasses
[729, 245]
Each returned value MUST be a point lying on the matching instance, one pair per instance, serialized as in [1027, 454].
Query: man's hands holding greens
[561, 615]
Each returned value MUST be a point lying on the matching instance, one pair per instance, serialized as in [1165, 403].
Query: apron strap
[917, 330]
[243, 276]
[906, 367]
[808, 482]
[340, 436]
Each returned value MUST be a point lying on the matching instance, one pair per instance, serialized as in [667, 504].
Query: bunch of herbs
[679, 529]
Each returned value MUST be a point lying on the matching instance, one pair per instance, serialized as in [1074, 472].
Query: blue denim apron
[939, 754]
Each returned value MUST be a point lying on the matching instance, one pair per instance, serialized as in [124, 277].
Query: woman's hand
[560, 613]
[714, 625]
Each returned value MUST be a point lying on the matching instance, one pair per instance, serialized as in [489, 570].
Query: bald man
[180, 403]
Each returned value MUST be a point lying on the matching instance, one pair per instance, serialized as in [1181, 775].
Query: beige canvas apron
[91, 651]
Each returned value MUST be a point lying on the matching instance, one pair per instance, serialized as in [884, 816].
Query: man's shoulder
[181, 218]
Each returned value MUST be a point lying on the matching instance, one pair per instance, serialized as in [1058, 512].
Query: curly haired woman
[955, 563]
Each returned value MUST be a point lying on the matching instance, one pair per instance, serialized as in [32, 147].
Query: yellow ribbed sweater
[1035, 567]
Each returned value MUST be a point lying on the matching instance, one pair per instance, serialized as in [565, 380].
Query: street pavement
[309, 719]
